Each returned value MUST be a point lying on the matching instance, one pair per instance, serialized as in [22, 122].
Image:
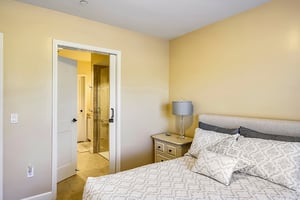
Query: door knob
[74, 120]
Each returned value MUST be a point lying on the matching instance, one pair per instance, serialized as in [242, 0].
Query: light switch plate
[30, 171]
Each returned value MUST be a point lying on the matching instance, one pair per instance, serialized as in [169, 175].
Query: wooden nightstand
[168, 147]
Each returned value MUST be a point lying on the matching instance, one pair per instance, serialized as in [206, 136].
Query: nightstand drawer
[171, 150]
[159, 146]
[160, 158]
[169, 146]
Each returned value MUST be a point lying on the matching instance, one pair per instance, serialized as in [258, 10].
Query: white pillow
[225, 147]
[217, 166]
[204, 138]
[276, 161]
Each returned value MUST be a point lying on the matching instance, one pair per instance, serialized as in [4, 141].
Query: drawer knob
[158, 147]
[170, 150]
[161, 160]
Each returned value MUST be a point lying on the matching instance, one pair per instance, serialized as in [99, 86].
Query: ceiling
[166, 19]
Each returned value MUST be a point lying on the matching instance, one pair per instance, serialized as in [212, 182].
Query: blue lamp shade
[182, 108]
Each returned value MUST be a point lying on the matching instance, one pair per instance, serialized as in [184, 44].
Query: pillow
[203, 139]
[276, 161]
[210, 127]
[226, 147]
[223, 145]
[255, 134]
[216, 166]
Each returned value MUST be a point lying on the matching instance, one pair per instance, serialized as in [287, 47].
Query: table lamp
[182, 108]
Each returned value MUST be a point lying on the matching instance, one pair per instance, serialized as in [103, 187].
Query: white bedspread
[174, 180]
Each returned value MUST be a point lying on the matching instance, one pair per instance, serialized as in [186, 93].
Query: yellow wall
[28, 34]
[75, 55]
[246, 65]
[98, 59]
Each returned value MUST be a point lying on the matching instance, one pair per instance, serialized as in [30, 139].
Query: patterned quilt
[174, 180]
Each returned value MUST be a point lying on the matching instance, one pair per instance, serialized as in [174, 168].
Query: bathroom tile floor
[88, 165]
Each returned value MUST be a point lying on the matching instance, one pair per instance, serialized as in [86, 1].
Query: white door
[66, 118]
[81, 123]
[112, 117]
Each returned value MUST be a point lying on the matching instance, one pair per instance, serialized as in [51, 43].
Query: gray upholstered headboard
[271, 126]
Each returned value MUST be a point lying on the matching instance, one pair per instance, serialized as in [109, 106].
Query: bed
[225, 161]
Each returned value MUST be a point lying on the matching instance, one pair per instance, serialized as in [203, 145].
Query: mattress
[174, 179]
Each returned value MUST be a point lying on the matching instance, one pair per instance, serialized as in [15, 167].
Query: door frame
[117, 136]
[85, 102]
[1, 116]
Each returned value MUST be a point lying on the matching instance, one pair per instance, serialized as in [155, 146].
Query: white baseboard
[44, 196]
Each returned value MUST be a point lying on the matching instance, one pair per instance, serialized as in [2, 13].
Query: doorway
[113, 111]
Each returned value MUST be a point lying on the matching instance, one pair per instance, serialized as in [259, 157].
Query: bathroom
[92, 101]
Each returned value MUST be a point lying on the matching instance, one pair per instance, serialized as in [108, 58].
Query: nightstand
[170, 146]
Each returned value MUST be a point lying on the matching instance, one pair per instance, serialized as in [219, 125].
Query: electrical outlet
[30, 171]
[14, 118]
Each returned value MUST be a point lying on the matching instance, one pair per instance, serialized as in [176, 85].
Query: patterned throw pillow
[276, 161]
[216, 166]
[204, 138]
[227, 146]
